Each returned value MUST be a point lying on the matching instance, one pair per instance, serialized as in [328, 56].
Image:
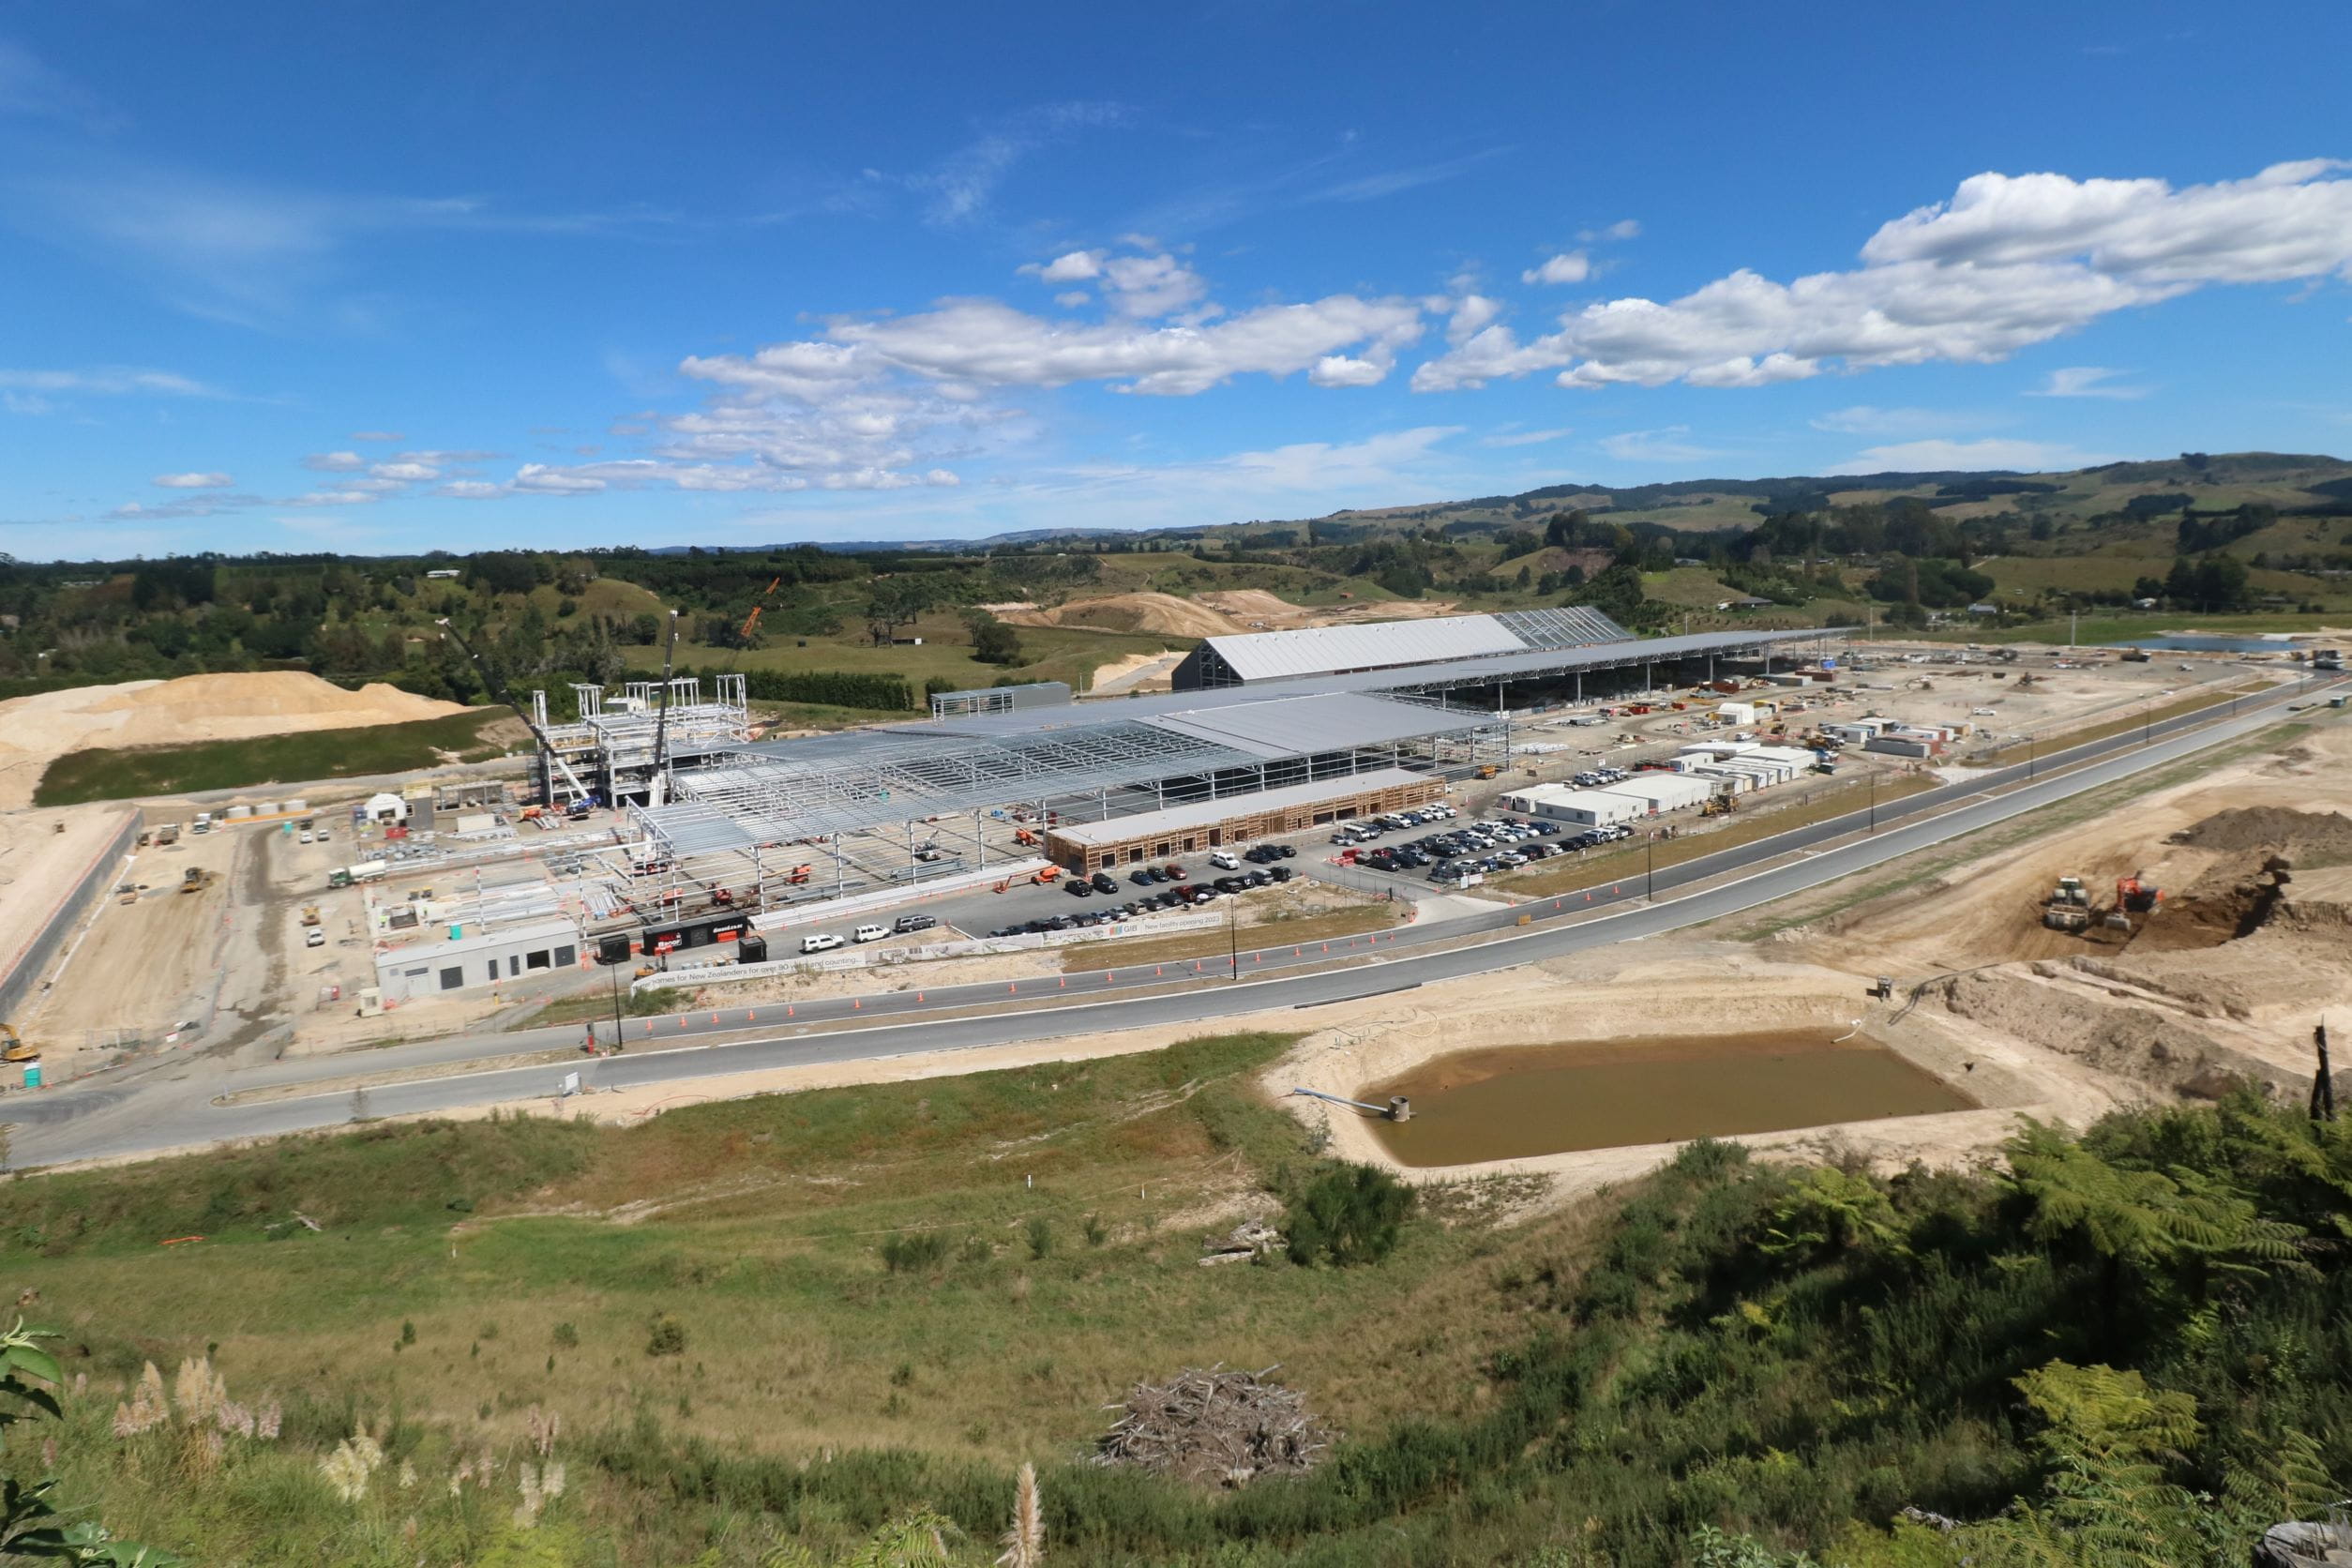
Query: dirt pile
[36, 731]
[2129, 1042]
[1256, 610]
[2304, 838]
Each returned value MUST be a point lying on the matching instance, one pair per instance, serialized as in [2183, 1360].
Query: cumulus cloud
[2011, 261]
[195, 481]
[1569, 266]
[1075, 268]
[2030, 457]
[334, 462]
[405, 472]
[2086, 380]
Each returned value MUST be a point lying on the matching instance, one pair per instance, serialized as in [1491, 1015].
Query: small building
[1899, 746]
[1662, 791]
[1591, 808]
[443, 574]
[477, 959]
[1177, 830]
[384, 807]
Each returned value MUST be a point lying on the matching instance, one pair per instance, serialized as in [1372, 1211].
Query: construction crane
[655, 789]
[498, 689]
[751, 622]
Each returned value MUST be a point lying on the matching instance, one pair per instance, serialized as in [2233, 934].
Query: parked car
[823, 941]
[871, 933]
[905, 922]
[1282, 873]
[1078, 887]
[313, 937]
[1104, 883]
[1143, 876]
[1172, 873]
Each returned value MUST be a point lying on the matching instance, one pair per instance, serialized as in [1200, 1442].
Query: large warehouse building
[1272, 734]
[1277, 656]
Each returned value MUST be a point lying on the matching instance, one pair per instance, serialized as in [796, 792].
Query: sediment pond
[1515, 1101]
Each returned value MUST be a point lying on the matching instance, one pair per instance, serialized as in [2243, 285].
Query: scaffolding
[608, 747]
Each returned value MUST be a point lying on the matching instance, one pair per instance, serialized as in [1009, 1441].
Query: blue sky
[299, 277]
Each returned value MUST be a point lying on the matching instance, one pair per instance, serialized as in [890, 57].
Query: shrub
[667, 1338]
[1040, 1230]
[1346, 1215]
[566, 1336]
[915, 1253]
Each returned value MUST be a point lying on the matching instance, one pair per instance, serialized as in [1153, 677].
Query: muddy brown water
[1512, 1101]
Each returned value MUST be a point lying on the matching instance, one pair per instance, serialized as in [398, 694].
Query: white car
[823, 941]
[1983, 713]
[304, 838]
[871, 933]
[1224, 862]
[313, 937]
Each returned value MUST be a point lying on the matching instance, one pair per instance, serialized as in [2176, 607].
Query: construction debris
[1215, 1428]
[1245, 1241]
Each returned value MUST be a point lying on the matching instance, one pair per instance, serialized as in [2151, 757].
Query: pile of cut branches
[1214, 1428]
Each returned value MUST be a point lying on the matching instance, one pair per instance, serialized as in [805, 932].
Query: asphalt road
[175, 1107]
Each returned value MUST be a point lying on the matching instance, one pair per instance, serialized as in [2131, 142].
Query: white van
[823, 941]
[872, 933]
[1223, 861]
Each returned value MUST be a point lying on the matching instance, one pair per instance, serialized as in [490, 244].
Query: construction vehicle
[310, 915]
[2136, 893]
[1718, 805]
[167, 836]
[1048, 875]
[127, 894]
[14, 1048]
[191, 880]
[2068, 906]
[1488, 770]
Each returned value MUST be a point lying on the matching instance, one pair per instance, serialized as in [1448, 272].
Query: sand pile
[1131, 612]
[36, 731]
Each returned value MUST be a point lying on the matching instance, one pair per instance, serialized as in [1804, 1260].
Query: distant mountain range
[2290, 482]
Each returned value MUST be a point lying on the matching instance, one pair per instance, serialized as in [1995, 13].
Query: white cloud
[1077, 266]
[539, 479]
[1470, 315]
[1624, 228]
[2030, 457]
[195, 481]
[334, 462]
[2086, 380]
[111, 381]
[1524, 438]
[1569, 266]
[1339, 369]
[2009, 262]
[1072, 299]
[350, 495]
[1147, 286]
[1864, 419]
[405, 472]
[471, 489]
[1659, 445]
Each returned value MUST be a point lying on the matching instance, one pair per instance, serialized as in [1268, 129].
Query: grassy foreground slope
[106, 774]
[775, 1330]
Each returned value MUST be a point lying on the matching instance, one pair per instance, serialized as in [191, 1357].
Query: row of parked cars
[825, 941]
[1593, 778]
[1175, 896]
[1372, 829]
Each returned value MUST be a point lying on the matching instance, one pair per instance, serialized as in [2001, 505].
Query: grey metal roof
[1567, 626]
[1208, 813]
[1327, 722]
[1263, 656]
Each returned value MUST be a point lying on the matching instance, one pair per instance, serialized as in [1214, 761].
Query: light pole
[1650, 868]
[1233, 937]
[1873, 778]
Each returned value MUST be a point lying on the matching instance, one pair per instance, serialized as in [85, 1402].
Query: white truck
[366, 871]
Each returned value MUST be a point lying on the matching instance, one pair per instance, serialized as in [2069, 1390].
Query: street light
[1873, 779]
[1650, 869]
[1234, 936]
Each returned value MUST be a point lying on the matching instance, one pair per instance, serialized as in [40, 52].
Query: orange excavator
[2136, 893]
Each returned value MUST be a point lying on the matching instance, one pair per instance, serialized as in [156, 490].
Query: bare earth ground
[42, 853]
[36, 731]
[1214, 614]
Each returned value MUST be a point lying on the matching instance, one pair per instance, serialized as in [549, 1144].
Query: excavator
[14, 1048]
[2134, 894]
[2068, 906]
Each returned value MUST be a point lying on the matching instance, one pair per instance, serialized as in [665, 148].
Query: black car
[1078, 887]
[1258, 879]
[1282, 873]
[1288, 851]
[1105, 882]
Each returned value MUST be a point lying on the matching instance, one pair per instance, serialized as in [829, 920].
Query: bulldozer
[2068, 906]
